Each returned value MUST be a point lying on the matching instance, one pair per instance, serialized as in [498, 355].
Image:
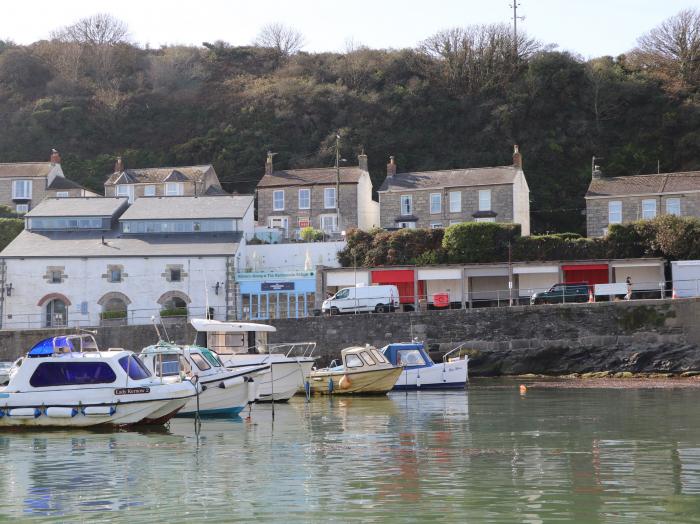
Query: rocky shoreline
[594, 380]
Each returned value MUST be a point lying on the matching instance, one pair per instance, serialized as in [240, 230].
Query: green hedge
[670, 237]
[173, 312]
[109, 315]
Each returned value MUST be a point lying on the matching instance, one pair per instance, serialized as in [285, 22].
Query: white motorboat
[420, 372]
[242, 344]
[67, 381]
[223, 392]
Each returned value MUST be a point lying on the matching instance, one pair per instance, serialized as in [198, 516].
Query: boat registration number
[131, 391]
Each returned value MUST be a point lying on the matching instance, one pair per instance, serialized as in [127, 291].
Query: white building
[92, 261]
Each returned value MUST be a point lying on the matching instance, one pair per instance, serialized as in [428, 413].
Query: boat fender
[252, 390]
[2, 413]
[56, 412]
[24, 412]
[307, 389]
[345, 382]
[204, 388]
[99, 411]
[418, 380]
[330, 385]
[222, 385]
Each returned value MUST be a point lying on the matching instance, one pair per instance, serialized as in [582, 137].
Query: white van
[364, 298]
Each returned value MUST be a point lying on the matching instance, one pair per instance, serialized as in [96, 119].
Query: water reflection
[583, 455]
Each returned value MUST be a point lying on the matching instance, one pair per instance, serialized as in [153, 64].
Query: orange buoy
[344, 382]
[523, 389]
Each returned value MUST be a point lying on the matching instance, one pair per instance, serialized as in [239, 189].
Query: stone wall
[638, 336]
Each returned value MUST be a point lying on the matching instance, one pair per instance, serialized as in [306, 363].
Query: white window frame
[485, 200]
[124, 190]
[615, 212]
[329, 198]
[62, 194]
[26, 193]
[435, 203]
[276, 193]
[675, 208]
[149, 190]
[455, 201]
[407, 225]
[436, 225]
[22, 208]
[485, 219]
[409, 200]
[179, 189]
[305, 191]
[333, 219]
[650, 213]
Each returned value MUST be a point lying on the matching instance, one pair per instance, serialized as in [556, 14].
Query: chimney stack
[268, 163]
[597, 172]
[362, 161]
[119, 165]
[517, 158]
[391, 167]
[55, 157]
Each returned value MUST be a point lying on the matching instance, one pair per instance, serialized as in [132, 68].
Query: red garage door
[403, 280]
[590, 273]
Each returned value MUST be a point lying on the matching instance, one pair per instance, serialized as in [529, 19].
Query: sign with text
[275, 275]
[277, 286]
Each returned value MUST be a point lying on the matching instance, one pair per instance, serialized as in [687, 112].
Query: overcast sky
[588, 27]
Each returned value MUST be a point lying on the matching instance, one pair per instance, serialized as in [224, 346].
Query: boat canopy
[216, 326]
[407, 354]
[162, 348]
[61, 345]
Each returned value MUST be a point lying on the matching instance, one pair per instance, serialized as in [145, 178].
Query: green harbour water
[485, 455]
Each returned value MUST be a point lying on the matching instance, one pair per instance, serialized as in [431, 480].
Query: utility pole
[515, 6]
[337, 180]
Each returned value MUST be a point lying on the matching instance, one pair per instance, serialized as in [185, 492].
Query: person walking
[628, 296]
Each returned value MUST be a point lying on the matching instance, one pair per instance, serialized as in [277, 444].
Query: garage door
[589, 273]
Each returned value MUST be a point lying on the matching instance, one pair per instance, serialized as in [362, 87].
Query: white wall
[529, 283]
[143, 285]
[643, 278]
[367, 209]
[686, 278]
[247, 225]
[453, 287]
[292, 256]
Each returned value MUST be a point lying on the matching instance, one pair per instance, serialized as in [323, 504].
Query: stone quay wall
[636, 336]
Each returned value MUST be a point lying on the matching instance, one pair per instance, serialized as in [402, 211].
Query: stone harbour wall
[637, 336]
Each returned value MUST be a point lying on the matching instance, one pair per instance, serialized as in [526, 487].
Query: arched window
[175, 303]
[114, 306]
[56, 313]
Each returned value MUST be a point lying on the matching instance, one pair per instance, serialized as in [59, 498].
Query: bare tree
[672, 50]
[99, 29]
[286, 40]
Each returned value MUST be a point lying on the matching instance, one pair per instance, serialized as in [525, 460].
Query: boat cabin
[169, 360]
[363, 357]
[408, 354]
[232, 338]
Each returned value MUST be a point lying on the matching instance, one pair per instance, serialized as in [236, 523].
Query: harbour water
[486, 455]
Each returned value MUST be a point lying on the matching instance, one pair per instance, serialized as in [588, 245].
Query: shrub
[474, 242]
[108, 315]
[309, 234]
[9, 229]
[173, 312]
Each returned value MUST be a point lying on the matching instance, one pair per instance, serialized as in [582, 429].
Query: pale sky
[588, 27]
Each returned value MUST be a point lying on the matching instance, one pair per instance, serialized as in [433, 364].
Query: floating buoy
[674, 295]
[523, 389]
[344, 382]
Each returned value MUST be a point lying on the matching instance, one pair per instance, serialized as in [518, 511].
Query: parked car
[362, 298]
[561, 293]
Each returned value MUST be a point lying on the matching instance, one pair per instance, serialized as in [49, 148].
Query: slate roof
[78, 207]
[72, 244]
[63, 183]
[159, 175]
[25, 169]
[481, 176]
[311, 176]
[174, 207]
[654, 184]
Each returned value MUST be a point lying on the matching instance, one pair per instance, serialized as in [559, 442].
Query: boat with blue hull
[421, 373]
[67, 381]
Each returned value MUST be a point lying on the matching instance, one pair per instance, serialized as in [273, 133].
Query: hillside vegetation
[459, 99]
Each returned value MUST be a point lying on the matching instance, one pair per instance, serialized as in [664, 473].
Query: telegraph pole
[337, 179]
[515, 6]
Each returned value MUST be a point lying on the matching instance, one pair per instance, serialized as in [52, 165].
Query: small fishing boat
[419, 370]
[243, 344]
[364, 371]
[222, 392]
[68, 381]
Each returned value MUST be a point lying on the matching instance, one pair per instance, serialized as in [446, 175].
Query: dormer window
[124, 190]
[21, 189]
[174, 189]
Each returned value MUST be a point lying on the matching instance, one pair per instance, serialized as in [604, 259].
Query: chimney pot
[597, 172]
[119, 165]
[268, 163]
[517, 157]
[55, 157]
[391, 167]
[362, 161]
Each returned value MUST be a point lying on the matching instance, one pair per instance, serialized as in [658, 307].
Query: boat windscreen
[47, 347]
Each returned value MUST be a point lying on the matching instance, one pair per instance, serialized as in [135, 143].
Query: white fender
[61, 412]
[252, 391]
[99, 411]
[24, 412]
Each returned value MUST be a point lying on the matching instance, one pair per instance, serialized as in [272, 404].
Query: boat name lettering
[131, 391]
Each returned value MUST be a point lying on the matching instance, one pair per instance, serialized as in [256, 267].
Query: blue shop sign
[277, 286]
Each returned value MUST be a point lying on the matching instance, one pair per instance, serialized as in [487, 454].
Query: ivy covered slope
[459, 99]
[667, 236]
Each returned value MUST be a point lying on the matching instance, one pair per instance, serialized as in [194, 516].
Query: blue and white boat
[67, 381]
[222, 392]
[420, 372]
